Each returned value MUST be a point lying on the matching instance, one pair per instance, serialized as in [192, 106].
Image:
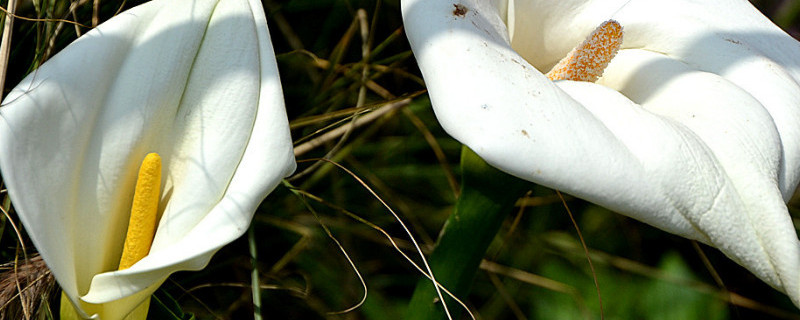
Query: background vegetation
[341, 58]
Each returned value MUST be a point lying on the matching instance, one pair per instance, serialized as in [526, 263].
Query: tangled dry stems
[25, 288]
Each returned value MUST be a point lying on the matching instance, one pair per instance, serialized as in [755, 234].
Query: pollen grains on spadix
[587, 61]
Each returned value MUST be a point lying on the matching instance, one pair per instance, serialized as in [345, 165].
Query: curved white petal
[744, 138]
[736, 42]
[196, 82]
[519, 121]
[690, 130]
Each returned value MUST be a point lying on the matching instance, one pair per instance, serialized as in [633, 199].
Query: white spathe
[196, 82]
[692, 128]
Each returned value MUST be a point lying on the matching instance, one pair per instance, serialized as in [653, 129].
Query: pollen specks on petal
[460, 10]
[588, 60]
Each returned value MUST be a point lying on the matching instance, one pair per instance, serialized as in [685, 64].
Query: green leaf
[164, 307]
[669, 300]
[487, 196]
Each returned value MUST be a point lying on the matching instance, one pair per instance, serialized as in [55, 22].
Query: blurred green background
[535, 268]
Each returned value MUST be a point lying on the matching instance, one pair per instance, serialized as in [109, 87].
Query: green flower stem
[487, 196]
[255, 282]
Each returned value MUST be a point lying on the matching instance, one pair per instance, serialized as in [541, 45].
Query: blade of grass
[5, 43]
[254, 279]
[487, 196]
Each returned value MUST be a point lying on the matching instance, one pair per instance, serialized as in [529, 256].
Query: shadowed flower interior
[139, 237]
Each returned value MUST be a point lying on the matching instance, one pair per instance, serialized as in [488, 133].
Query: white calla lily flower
[692, 128]
[195, 82]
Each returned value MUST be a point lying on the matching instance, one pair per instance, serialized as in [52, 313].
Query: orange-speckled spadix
[587, 61]
[144, 210]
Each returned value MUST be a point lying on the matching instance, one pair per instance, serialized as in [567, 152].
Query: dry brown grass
[25, 288]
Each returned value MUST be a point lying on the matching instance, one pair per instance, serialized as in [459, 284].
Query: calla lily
[692, 128]
[195, 82]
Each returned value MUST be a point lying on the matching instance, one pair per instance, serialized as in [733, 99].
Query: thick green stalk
[487, 196]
